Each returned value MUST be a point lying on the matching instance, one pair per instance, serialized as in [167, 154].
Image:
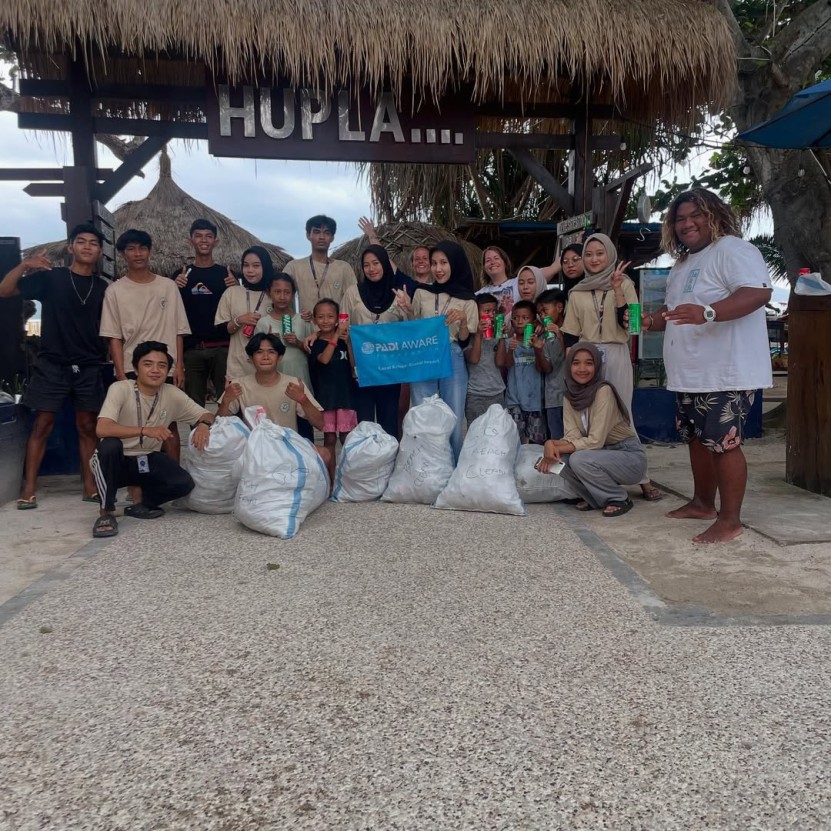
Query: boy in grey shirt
[485, 385]
[551, 360]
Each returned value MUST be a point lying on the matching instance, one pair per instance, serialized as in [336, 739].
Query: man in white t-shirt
[715, 350]
[317, 276]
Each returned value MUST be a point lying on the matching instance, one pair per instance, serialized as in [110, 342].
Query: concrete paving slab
[402, 668]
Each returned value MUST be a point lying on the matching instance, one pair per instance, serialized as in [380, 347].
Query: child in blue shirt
[523, 398]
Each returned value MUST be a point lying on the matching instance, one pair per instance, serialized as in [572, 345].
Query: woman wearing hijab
[451, 295]
[241, 307]
[595, 313]
[601, 451]
[376, 300]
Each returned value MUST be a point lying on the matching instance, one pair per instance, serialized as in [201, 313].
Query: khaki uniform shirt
[274, 400]
[592, 317]
[332, 281]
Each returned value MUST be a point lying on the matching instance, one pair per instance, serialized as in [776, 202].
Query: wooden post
[808, 416]
[80, 179]
[581, 169]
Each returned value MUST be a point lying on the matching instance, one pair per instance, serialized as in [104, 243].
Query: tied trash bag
[365, 464]
[283, 481]
[534, 486]
[484, 477]
[216, 470]
[425, 460]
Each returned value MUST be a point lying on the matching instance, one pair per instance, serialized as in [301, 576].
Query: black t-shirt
[201, 298]
[70, 315]
[333, 382]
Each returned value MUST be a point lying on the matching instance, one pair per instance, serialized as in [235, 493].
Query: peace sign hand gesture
[619, 273]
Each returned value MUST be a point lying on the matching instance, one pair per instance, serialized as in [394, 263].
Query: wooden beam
[42, 174]
[42, 88]
[117, 126]
[527, 141]
[137, 159]
[44, 189]
[640, 170]
[516, 109]
[542, 175]
[581, 170]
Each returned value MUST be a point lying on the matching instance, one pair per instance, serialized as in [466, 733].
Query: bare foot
[693, 510]
[719, 531]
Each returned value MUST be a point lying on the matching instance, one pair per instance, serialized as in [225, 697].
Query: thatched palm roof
[656, 59]
[166, 213]
[400, 239]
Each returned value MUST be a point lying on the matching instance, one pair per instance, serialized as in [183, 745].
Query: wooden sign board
[286, 123]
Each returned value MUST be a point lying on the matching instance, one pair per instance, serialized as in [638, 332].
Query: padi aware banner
[392, 353]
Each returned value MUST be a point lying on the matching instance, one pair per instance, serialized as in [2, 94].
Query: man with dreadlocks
[715, 350]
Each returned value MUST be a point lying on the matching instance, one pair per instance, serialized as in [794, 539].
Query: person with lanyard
[601, 451]
[132, 425]
[377, 300]
[452, 296]
[201, 285]
[241, 307]
[401, 280]
[317, 276]
[69, 363]
[596, 313]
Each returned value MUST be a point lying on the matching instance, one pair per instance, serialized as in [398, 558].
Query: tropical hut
[400, 239]
[166, 213]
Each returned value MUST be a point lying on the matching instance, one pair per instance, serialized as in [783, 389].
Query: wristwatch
[709, 314]
[202, 421]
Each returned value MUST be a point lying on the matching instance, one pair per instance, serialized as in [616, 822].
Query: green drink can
[545, 322]
[528, 335]
[500, 326]
[286, 321]
[634, 318]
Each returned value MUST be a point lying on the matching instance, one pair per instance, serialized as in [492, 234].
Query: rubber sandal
[652, 494]
[621, 508]
[142, 511]
[24, 504]
[105, 526]
[93, 497]
[583, 506]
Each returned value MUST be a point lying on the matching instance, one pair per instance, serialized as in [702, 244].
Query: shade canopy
[804, 122]
[652, 59]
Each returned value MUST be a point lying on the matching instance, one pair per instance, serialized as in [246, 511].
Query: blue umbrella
[804, 122]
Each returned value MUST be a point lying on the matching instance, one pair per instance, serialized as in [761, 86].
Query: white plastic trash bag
[534, 486]
[283, 481]
[484, 477]
[365, 464]
[425, 460]
[216, 470]
[812, 285]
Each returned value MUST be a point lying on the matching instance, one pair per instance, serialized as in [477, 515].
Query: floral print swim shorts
[716, 419]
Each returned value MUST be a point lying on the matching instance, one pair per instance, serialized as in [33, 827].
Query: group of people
[557, 360]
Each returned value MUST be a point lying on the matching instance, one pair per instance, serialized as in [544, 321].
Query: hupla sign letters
[287, 123]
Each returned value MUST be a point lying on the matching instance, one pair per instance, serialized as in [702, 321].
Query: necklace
[74, 288]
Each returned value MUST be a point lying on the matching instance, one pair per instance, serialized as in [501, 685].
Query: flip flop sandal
[620, 508]
[93, 497]
[141, 511]
[652, 495]
[105, 526]
[583, 506]
[24, 504]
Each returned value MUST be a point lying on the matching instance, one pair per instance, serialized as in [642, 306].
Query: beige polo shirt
[236, 301]
[274, 400]
[332, 281]
[359, 315]
[606, 424]
[592, 315]
[138, 312]
[427, 304]
[171, 405]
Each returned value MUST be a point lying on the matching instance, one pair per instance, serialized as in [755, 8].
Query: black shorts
[51, 385]
[716, 419]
